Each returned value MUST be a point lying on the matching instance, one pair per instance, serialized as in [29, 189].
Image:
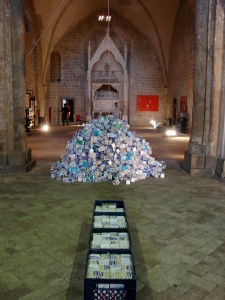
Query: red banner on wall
[147, 102]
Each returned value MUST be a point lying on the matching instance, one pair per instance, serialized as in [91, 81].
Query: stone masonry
[145, 73]
[14, 155]
[181, 66]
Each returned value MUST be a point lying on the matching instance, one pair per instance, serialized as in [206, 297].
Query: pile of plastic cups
[105, 150]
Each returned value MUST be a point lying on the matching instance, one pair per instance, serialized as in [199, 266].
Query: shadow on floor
[76, 288]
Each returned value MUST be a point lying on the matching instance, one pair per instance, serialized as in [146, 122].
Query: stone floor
[177, 227]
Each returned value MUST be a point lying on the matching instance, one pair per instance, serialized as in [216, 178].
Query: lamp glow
[153, 123]
[45, 127]
[170, 132]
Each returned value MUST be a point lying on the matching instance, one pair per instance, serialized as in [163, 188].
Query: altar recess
[107, 79]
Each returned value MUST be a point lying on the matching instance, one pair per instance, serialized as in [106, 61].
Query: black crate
[119, 204]
[104, 289]
[107, 289]
[122, 250]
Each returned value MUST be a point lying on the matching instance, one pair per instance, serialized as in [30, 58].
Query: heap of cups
[105, 150]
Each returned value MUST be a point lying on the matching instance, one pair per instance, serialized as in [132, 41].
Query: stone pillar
[89, 103]
[220, 91]
[126, 85]
[199, 159]
[14, 155]
[125, 105]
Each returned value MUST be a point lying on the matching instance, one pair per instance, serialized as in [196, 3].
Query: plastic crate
[111, 248]
[109, 289]
[104, 289]
[118, 203]
[108, 228]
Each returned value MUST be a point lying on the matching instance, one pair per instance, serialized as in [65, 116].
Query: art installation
[105, 150]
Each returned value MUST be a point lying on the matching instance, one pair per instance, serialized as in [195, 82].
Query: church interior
[160, 61]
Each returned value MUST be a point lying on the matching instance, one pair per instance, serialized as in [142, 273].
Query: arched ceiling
[154, 18]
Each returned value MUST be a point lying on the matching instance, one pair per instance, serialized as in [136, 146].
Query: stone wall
[146, 78]
[145, 74]
[181, 64]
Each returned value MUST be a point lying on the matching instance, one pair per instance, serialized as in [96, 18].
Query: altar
[104, 98]
[107, 79]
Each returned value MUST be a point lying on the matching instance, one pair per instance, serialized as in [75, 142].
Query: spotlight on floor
[153, 123]
[170, 132]
[45, 127]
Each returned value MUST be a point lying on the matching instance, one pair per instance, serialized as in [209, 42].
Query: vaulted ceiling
[154, 18]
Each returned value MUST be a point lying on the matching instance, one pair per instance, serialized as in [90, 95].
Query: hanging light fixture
[103, 17]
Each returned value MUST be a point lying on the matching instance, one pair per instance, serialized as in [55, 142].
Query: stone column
[125, 80]
[125, 103]
[89, 102]
[220, 86]
[199, 159]
[14, 155]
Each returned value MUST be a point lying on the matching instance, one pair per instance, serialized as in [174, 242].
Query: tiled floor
[177, 227]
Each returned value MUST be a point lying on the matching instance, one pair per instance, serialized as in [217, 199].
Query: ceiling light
[100, 18]
[104, 18]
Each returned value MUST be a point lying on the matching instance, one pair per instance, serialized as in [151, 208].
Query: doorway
[70, 104]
